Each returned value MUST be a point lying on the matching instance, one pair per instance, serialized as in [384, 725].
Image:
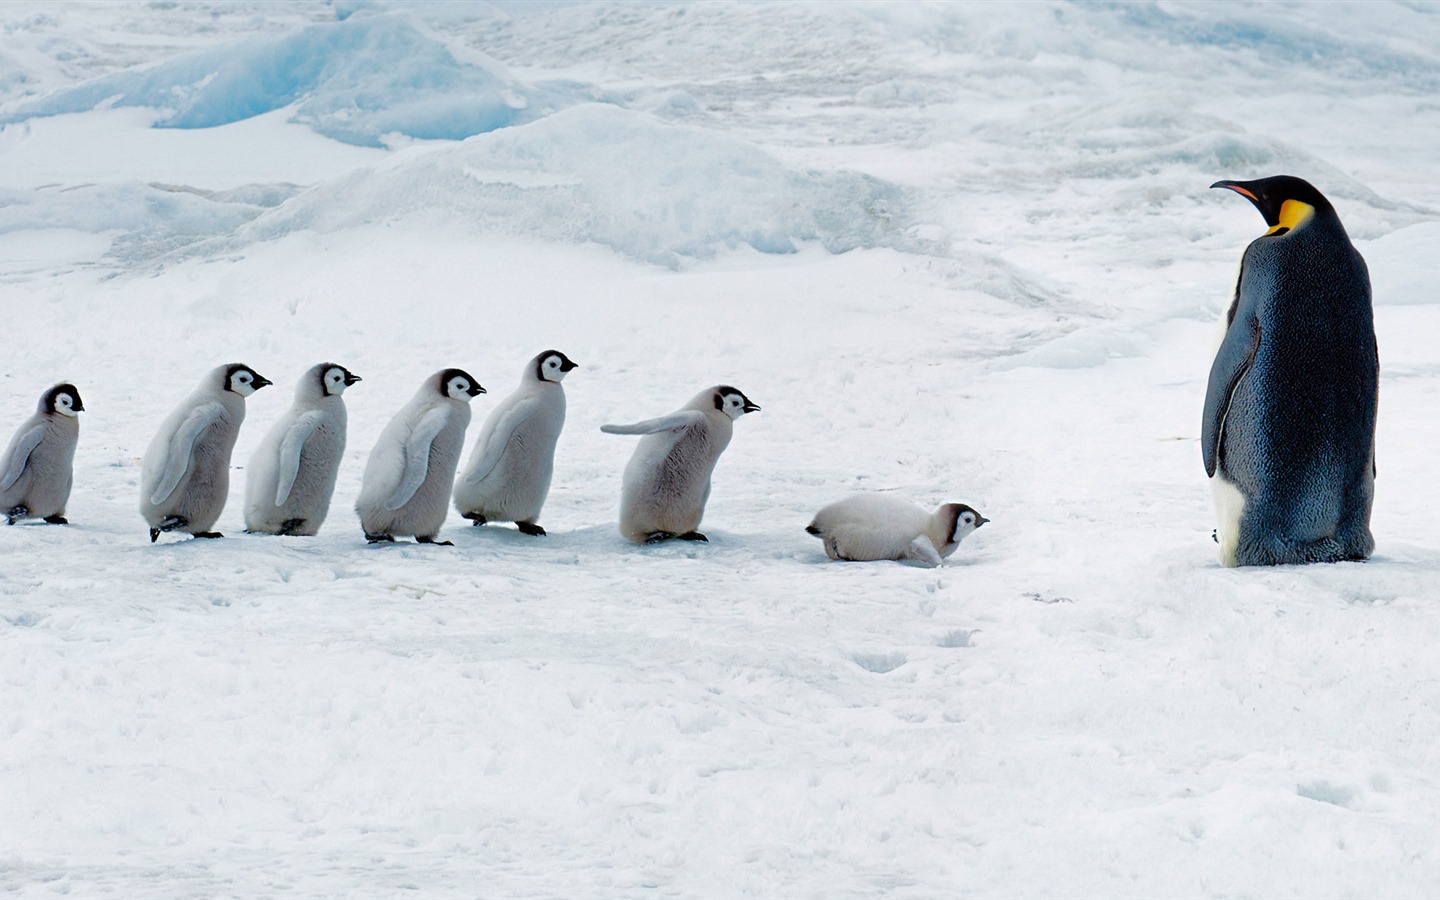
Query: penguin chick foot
[530, 528]
[476, 518]
[693, 536]
[209, 535]
[55, 520]
[17, 513]
[291, 526]
[659, 537]
[170, 524]
[431, 540]
[379, 538]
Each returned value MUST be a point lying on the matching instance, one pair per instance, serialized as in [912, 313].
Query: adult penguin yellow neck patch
[1293, 214]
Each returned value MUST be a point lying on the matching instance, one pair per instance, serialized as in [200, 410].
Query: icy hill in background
[356, 80]
[597, 173]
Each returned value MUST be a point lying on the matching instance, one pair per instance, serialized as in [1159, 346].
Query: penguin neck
[1294, 215]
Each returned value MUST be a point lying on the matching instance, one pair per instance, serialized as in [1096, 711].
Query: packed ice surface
[1081, 702]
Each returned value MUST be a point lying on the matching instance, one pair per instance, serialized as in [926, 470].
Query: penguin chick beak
[980, 520]
[749, 407]
[261, 381]
[79, 406]
[351, 378]
[476, 391]
[567, 365]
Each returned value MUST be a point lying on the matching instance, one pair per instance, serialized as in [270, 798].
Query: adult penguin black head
[1285, 201]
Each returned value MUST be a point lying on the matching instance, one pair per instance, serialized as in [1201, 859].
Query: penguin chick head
[457, 384]
[552, 365]
[243, 380]
[1285, 201]
[732, 402]
[63, 399]
[965, 520]
[334, 379]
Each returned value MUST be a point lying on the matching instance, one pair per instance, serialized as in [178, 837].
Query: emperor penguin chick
[411, 469]
[292, 474]
[667, 481]
[1288, 433]
[508, 476]
[185, 478]
[37, 469]
[875, 526]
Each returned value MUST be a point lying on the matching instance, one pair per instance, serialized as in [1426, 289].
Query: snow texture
[956, 252]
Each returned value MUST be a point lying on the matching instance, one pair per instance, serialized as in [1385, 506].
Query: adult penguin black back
[1288, 433]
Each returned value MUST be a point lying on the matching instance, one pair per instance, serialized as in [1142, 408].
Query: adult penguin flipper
[417, 456]
[290, 449]
[177, 460]
[1236, 353]
[20, 455]
[672, 422]
[499, 439]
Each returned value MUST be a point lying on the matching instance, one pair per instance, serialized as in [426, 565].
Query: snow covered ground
[956, 252]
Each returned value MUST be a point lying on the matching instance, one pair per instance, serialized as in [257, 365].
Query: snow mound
[654, 191]
[356, 80]
[147, 219]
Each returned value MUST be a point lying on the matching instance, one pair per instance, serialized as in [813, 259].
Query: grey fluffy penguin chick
[185, 479]
[37, 470]
[508, 476]
[406, 489]
[875, 526]
[291, 476]
[667, 481]
[1288, 433]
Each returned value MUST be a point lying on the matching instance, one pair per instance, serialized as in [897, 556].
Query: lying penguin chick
[185, 477]
[38, 467]
[406, 488]
[874, 526]
[667, 481]
[292, 474]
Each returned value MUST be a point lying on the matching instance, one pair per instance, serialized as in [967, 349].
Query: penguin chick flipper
[177, 460]
[20, 455]
[417, 456]
[1232, 361]
[291, 447]
[499, 439]
[921, 550]
[681, 419]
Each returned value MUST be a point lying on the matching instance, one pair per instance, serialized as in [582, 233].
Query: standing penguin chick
[292, 474]
[37, 469]
[412, 467]
[185, 479]
[874, 526]
[1288, 433]
[667, 481]
[508, 477]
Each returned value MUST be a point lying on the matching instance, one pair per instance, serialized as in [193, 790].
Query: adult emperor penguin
[292, 474]
[410, 471]
[1288, 433]
[508, 476]
[185, 478]
[667, 481]
[876, 526]
[38, 467]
